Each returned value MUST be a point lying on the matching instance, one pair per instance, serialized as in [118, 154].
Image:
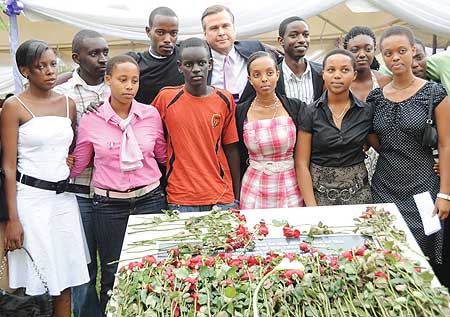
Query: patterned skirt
[340, 185]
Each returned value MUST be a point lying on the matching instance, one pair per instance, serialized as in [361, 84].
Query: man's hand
[93, 106]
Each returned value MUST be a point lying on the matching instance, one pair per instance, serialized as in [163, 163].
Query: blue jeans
[185, 208]
[85, 301]
[110, 225]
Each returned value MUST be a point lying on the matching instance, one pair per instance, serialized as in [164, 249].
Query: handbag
[17, 304]
[430, 135]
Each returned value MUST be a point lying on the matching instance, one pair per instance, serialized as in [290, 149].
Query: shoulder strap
[430, 104]
[67, 107]
[35, 268]
[28, 109]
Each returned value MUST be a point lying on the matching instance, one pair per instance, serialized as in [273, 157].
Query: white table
[328, 215]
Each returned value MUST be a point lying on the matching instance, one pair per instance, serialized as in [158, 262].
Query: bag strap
[35, 267]
[430, 105]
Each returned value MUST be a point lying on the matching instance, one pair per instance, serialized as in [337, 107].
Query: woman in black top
[332, 131]
[267, 129]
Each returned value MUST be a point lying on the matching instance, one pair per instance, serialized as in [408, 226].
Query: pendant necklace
[403, 88]
[341, 114]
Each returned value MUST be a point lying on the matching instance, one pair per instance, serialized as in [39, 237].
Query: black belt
[58, 187]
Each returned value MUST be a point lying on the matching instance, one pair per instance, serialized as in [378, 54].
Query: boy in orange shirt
[203, 157]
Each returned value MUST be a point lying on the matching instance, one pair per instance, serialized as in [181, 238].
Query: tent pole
[434, 43]
[14, 39]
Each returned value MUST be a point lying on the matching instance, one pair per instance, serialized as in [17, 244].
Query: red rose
[134, 265]
[382, 274]
[361, 251]
[348, 255]
[150, 259]
[248, 276]
[293, 274]
[304, 247]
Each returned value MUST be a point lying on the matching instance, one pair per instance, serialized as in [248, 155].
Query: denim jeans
[85, 301]
[110, 225]
[185, 208]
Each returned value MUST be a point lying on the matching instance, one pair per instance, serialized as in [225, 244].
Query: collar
[323, 100]
[156, 56]
[290, 74]
[107, 112]
[76, 80]
[218, 57]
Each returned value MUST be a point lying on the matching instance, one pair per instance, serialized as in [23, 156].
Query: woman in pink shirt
[126, 140]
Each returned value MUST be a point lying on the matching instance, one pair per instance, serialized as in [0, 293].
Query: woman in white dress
[37, 131]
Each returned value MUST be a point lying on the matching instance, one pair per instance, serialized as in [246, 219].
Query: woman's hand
[441, 208]
[13, 235]
[436, 169]
[70, 161]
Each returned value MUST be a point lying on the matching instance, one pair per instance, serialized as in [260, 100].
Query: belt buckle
[321, 189]
[345, 194]
[332, 194]
[61, 186]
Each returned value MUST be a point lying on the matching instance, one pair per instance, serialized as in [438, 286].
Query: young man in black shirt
[158, 65]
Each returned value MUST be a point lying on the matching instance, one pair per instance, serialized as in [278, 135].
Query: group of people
[198, 124]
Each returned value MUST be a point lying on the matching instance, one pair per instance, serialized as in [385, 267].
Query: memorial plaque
[329, 244]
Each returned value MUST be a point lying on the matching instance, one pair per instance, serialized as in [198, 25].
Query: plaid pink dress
[270, 180]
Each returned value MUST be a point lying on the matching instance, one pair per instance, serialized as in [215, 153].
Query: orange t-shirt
[197, 168]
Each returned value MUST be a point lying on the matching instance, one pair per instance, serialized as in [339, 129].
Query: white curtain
[127, 19]
[431, 15]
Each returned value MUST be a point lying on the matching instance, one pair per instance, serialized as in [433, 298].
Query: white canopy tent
[123, 22]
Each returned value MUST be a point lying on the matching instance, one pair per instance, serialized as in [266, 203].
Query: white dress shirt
[239, 69]
[298, 87]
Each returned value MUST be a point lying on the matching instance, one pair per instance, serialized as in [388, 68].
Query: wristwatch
[443, 196]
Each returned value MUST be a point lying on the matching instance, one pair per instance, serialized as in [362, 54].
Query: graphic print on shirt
[215, 120]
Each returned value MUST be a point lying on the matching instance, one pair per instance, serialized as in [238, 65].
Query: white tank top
[43, 145]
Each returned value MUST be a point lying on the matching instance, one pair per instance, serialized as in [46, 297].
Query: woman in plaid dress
[267, 128]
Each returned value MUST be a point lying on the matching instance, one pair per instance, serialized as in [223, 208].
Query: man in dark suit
[230, 56]
[299, 78]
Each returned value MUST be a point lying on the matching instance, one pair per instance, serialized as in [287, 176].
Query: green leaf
[279, 223]
[151, 301]
[181, 273]
[401, 300]
[401, 287]
[202, 299]
[230, 292]
[380, 282]
[349, 269]
[143, 295]
[427, 276]
[206, 272]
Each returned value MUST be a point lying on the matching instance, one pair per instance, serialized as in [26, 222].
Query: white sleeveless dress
[53, 232]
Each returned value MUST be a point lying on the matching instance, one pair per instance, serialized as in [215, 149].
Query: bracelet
[443, 196]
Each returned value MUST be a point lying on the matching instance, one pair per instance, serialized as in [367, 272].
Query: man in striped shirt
[299, 78]
[90, 51]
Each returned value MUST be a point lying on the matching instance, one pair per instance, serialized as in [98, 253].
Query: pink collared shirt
[100, 138]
